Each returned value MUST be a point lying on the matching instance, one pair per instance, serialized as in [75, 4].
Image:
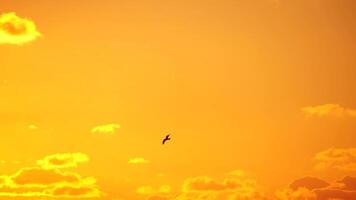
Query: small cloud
[164, 189]
[16, 30]
[333, 110]
[108, 129]
[298, 194]
[337, 158]
[145, 190]
[237, 172]
[64, 160]
[32, 127]
[149, 190]
[138, 161]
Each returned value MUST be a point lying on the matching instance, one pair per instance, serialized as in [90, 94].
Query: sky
[257, 95]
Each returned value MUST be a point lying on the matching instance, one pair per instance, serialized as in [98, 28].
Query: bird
[166, 138]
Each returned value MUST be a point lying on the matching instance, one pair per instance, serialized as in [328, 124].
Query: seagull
[166, 138]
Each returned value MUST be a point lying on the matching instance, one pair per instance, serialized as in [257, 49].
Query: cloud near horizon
[39, 181]
[107, 129]
[334, 110]
[236, 186]
[16, 30]
[307, 189]
[336, 158]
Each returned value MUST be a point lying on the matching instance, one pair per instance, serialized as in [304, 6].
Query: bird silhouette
[166, 138]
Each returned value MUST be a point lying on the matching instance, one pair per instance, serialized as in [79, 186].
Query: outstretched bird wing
[165, 139]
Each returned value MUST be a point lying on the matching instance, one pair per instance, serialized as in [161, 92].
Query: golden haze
[258, 96]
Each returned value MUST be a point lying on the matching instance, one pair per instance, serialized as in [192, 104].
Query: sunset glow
[257, 97]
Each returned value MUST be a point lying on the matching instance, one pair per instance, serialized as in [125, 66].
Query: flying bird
[166, 138]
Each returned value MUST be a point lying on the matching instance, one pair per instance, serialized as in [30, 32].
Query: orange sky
[88, 89]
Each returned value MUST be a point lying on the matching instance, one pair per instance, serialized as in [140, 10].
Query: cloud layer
[234, 186]
[344, 189]
[44, 181]
[16, 30]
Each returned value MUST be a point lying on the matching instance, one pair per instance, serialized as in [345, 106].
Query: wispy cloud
[63, 160]
[138, 160]
[107, 129]
[337, 158]
[334, 110]
[16, 30]
[149, 190]
[32, 127]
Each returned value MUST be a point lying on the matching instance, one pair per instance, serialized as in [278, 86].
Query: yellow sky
[255, 94]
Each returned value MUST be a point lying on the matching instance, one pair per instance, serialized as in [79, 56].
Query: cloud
[237, 173]
[145, 190]
[41, 182]
[298, 194]
[108, 129]
[39, 176]
[334, 110]
[309, 183]
[204, 183]
[301, 189]
[237, 186]
[16, 30]
[164, 189]
[138, 161]
[344, 189]
[337, 158]
[158, 197]
[148, 190]
[75, 191]
[348, 183]
[335, 194]
[64, 160]
[32, 127]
